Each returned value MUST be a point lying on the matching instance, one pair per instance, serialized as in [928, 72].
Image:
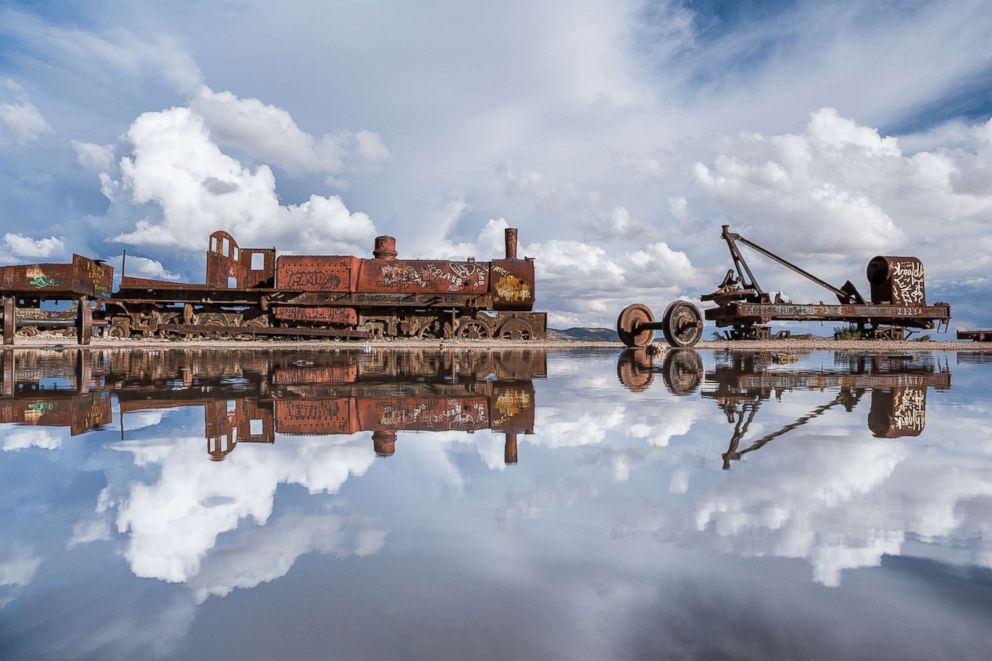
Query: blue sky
[618, 136]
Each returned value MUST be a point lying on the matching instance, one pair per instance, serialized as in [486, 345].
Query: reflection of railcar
[252, 292]
[740, 382]
[250, 396]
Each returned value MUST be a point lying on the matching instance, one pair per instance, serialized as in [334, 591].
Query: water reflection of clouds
[174, 521]
[619, 492]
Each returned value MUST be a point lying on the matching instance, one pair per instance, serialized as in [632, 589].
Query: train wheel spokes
[516, 329]
[683, 324]
[474, 329]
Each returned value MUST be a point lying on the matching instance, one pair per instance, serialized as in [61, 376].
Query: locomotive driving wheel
[516, 329]
[474, 329]
[683, 324]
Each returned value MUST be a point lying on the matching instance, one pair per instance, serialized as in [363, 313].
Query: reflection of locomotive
[250, 396]
[250, 292]
[741, 381]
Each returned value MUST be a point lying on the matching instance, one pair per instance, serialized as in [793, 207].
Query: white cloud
[269, 134]
[120, 51]
[18, 565]
[142, 267]
[174, 522]
[20, 246]
[22, 438]
[93, 157]
[175, 166]
[840, 187]
[23, 122]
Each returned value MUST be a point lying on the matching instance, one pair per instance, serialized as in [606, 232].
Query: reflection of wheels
[628, 322]
[516, 329]
[473, 329]
[634, 369]
[682, 371]
[683, 324]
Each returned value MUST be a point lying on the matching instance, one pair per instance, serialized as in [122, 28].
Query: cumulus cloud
[194, 188]
[19, 246]
[841, 187]
[269, 134]
[142, 267]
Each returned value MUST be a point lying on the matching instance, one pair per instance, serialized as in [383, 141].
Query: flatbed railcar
[253, 292]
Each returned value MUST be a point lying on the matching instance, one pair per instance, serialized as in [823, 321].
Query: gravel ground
[864, 346]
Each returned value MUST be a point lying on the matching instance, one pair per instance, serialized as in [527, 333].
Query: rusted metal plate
[917, 315]
[978, 335]
[896, 280]
[315, 273]
[423, 276]
[513, 284]
[81, 277]
[318, 314]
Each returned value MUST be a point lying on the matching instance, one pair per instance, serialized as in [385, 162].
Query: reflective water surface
[199, 504]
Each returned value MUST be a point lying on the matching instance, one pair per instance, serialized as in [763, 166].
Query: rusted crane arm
[847, 294]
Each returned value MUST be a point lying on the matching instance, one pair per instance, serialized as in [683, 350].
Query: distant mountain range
[583, 334]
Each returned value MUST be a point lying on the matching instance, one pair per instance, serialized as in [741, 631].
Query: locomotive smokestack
[510, 233]
[384, 443]
[385, 247]
[510, 449]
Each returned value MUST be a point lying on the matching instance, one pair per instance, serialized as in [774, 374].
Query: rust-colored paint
[81, 277]
[410, 276]
[513, 284]
[318, 314]
[315, 273]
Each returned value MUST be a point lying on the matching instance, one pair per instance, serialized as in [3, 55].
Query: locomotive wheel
[683, 324]
[474, 329]
[516, 329]
[120, 329]
[682, 372]
[429, 331]
[630, 318]
[634, 369]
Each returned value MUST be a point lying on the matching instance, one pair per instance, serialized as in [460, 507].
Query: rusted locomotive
[252, 292]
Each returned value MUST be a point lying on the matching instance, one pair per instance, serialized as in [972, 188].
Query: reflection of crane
[741, 381]
[845, 397]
